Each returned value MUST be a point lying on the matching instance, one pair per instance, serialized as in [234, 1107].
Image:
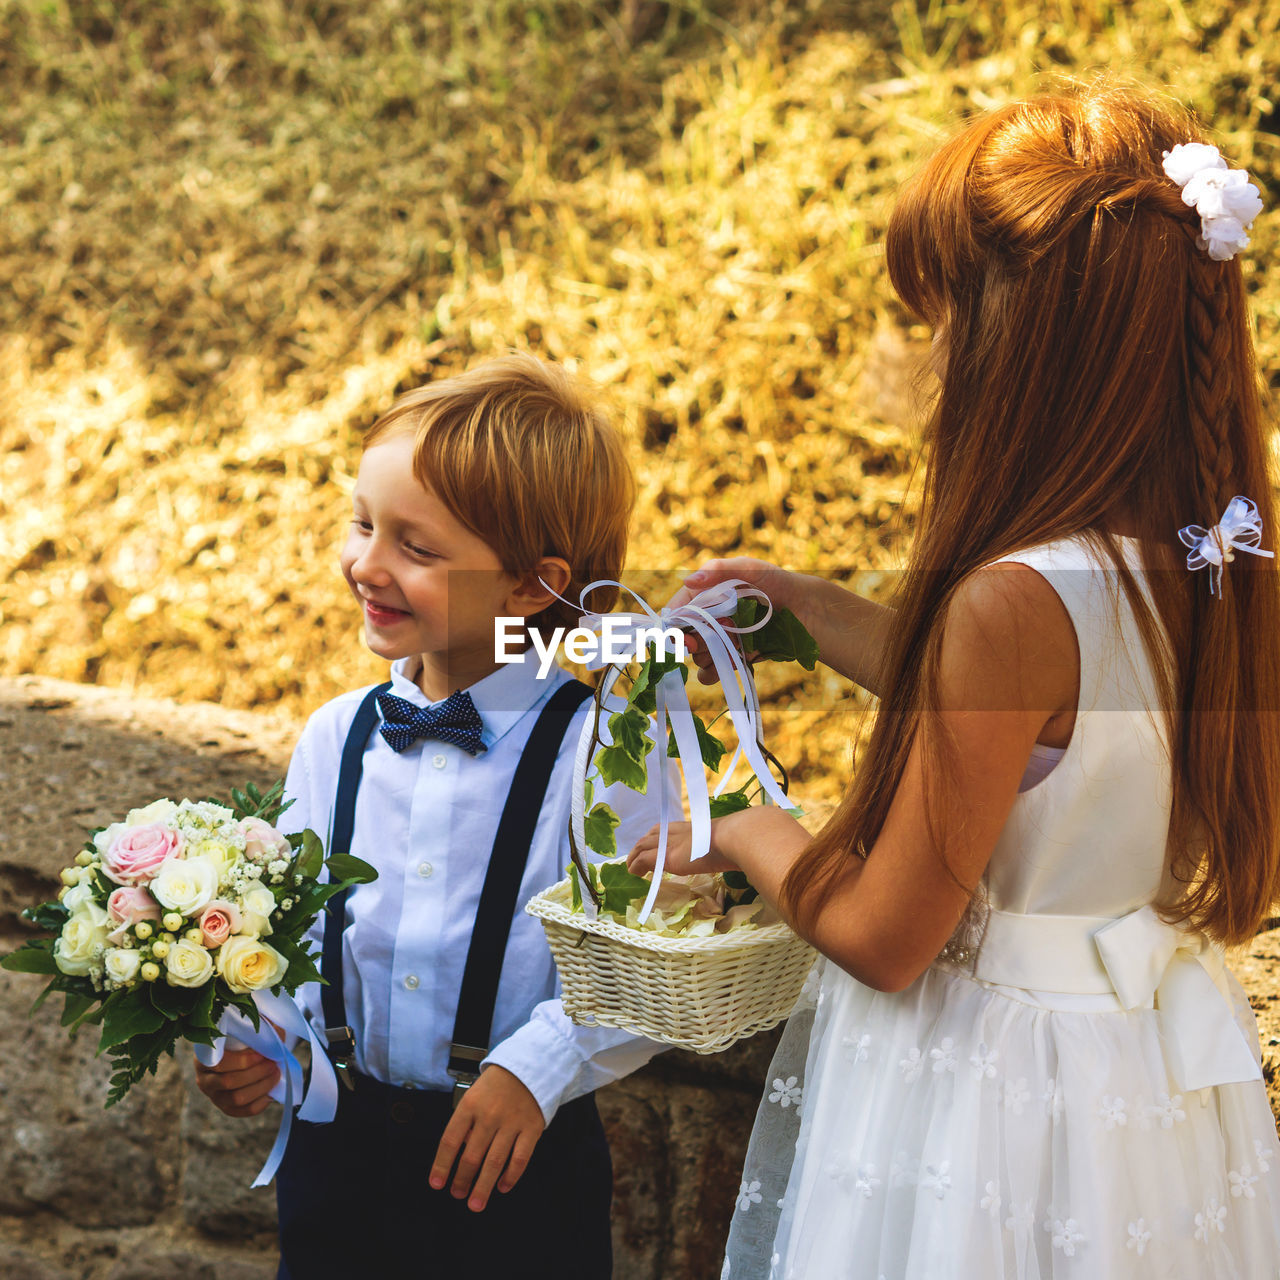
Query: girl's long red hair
[1096, 361]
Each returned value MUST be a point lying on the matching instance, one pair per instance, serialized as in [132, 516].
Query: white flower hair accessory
[1240, 529]
[1225, 199]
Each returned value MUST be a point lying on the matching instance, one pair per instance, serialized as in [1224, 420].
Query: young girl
[1026, 1059]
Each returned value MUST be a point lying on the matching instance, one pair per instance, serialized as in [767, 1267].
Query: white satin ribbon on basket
[1145, 963]
[705, 615]
[320, 1102]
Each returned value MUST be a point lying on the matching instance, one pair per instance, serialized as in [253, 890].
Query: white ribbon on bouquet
[706, 615]
[320, 1102]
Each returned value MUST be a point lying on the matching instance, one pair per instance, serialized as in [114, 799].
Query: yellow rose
[246, 964]
[219, 852]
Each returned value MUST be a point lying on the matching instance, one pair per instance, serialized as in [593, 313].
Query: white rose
[79, 947]
[249, 965]
[186, 885]
[162, 811]
[77, 896]
[260, 900]
[104, 839]
[188, 963]
[256, 907]
[121, 965]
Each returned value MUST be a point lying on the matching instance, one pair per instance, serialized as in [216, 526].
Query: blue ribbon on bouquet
[320, 1102]
[707, 615]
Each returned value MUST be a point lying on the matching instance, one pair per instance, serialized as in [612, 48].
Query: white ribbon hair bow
[1240, 529]
[1225, 199]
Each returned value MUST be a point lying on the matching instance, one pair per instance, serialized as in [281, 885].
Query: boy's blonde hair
[523, 454]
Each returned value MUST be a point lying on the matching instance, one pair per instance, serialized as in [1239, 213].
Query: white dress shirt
[426, 819]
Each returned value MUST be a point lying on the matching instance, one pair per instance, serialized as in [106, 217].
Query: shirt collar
[502, 698]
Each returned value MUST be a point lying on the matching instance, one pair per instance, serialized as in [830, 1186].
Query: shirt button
[426, 870]
[411, 982]
[439, 761]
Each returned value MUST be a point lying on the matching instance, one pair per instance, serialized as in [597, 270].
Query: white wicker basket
[696, 993]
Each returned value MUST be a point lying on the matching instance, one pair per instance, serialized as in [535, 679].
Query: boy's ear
[530, 595]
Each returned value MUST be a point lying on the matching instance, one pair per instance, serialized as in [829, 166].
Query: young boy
[470, 491]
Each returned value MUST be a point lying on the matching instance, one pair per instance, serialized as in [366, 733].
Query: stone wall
[159, 1185]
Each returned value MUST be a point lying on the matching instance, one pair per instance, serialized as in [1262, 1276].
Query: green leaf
[42, 997]
[747, 611]
[202, 1014]
[48, 915]
[615, 765]
[629, 731]
[346, 867]
[575, 887]
[735, 880]
[76, 1008]
[784, 639]
[32, 957]
[620, 887]
[132, 1015]
[174, 1002]
[711, 748]
[730, 802]
[311, 859]
[598, 827]
[643, 693]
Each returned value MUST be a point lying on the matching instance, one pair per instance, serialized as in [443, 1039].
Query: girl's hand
[643, 858]
[490, 1136]
[776, 583]
[241, 1082]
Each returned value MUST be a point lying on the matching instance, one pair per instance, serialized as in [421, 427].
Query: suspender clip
[342, 1052]
[464, 1067]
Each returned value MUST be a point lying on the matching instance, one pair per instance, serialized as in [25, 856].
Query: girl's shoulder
[1082, 551]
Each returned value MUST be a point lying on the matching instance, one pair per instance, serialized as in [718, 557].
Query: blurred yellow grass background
[231, 231]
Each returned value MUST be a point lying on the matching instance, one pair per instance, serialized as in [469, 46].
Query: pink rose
[137, 853]
[219, 920]
[262, 842]
[130, 903]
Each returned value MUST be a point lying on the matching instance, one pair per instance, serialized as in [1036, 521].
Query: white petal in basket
[701, 994]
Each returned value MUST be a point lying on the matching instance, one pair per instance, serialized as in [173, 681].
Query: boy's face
[426, 584]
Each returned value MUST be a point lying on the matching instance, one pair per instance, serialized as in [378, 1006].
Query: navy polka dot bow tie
[454, 720]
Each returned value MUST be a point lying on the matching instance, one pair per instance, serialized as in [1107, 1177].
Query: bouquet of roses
[178, 918]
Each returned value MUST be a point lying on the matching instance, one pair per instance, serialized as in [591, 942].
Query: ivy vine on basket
[656, 715]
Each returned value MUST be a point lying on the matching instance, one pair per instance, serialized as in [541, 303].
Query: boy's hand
[241, 1082]
[496, 1127]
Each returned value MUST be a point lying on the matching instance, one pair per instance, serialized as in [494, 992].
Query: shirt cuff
[557, 1060]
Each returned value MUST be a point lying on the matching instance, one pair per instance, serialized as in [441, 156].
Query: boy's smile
[426, 584]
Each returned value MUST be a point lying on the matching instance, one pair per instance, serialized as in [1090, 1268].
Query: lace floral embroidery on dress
[787, 1093]
[1213, 1217]
[1138, 1237]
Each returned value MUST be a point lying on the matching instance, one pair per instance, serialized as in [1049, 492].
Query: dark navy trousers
[354, 1200]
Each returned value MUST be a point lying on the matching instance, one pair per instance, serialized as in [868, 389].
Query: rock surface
[159, 1185]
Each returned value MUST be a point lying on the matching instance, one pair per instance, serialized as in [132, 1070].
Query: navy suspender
[502, 884]
[498, 899]
[342, 1041]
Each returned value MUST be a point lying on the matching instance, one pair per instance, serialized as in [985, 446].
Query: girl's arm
[850, 631]
[1010, 671]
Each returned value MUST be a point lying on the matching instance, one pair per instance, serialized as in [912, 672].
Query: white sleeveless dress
[1078, 1096]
